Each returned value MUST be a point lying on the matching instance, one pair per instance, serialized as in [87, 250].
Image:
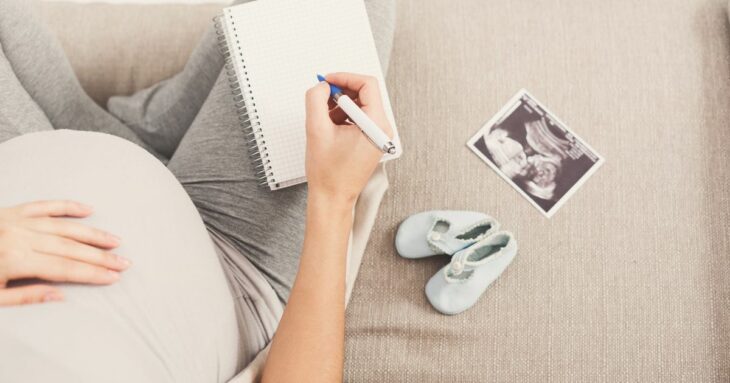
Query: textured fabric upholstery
[627, 282]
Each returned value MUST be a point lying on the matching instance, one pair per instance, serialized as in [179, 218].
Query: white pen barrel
[367, 125]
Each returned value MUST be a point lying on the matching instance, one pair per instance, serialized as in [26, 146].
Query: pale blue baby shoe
[458, 285]
[442, 232]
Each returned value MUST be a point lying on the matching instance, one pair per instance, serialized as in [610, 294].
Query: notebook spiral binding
[247, 114]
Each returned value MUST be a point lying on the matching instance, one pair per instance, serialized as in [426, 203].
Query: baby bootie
[442, 232]
[458, 285]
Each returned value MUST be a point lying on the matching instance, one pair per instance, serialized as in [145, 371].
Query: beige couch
[630, 281]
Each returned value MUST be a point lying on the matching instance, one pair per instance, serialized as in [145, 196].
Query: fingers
[60, 269]
[316, 104]
[367, 87]
[67, 248]
[29, 294]
[54, 209]
[75, 231]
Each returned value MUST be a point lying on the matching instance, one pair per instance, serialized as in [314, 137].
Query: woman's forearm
[309, 343]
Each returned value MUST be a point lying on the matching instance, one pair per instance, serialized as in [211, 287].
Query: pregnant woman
[150, 253]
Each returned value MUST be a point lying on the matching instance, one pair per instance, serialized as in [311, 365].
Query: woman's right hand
[36, 243]
[340, 159]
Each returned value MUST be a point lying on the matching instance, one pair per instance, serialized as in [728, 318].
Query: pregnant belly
[170, 318]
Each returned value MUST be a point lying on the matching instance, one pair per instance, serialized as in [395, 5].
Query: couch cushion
[119, 49]
[628, 281]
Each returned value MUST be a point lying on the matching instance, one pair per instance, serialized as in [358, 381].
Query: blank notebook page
[278, 47]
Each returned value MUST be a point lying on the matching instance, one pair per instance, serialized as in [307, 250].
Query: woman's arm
[309, 343]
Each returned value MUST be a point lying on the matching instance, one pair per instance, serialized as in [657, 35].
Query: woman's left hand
[36, 243]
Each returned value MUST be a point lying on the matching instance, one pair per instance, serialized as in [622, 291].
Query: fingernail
[52, 297]
[113, 275]
[114, 238]
[124, 261]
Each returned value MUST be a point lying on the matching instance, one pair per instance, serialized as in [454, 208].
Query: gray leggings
[188, 122]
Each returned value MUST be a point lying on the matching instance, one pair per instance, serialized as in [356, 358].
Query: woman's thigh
[19, 114]
[170, 318]
[213, 165]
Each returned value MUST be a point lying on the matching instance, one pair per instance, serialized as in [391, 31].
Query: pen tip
[320, 77]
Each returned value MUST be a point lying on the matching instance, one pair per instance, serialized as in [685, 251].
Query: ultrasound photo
[535, 152]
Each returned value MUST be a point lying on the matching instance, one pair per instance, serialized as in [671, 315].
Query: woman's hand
[340, 158]
[36, 243]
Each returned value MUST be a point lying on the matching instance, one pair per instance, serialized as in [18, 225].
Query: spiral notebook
[274, 49]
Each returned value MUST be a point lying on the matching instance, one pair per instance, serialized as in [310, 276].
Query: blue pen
[356, 115]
